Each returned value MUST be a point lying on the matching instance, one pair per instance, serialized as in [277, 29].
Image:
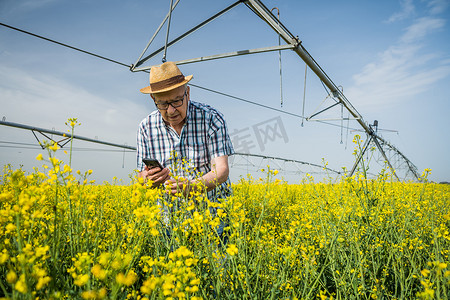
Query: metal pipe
[332, 119]
[411, 166]
[364, 148]
[325, 109]
[64, 134]
[304, 95]
[264, 13]
[279, 59]
[333, 88]
[235, 53]
[287, 160]
[385, 157]
[167, 33]
[184, 35]
[267, 16]
[153, 37]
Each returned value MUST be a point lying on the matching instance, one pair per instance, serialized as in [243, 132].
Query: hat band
[166, 83]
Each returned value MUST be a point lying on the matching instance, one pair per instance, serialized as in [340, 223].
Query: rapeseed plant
[63, 237]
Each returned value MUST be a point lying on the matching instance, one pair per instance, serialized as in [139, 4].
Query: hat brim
[148, 89]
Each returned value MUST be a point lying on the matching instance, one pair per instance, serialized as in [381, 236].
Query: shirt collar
[188, 112]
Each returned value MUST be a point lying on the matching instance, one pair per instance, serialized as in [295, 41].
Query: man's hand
[181, 185]
[209, 181]
[156, 175]
[184, 186]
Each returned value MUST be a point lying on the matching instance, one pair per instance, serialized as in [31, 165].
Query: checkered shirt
[204, 136]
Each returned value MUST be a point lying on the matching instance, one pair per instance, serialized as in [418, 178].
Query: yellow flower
[4, 257]
[20, 285]
[39, 157]
[425, 272]
[128, 279]
[232, 249]
[89, 295]
[54, 147]
[154, 231]
[98, 272]
[441, 265]
[102, 293]
[11, 277]
[81, 279]
[149, 285]
[194, 289]
[183, 251]
[42, 282]
[10, 228]
[190, 261]
[41, 251]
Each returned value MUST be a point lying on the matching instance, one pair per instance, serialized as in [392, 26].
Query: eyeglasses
[173, 103]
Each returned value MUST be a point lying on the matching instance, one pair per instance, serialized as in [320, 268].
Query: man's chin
[175, 121]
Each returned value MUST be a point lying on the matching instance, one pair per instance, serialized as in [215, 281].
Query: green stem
[70, 151]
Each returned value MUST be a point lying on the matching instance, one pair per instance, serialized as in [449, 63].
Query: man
[188, 138]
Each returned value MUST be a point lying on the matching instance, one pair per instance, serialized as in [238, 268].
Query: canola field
[64, 237]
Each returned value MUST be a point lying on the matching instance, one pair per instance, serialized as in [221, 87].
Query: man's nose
[171, 109]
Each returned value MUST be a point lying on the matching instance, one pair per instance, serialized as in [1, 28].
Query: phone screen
[152, 163]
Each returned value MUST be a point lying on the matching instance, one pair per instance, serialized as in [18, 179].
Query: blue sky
[392, 59]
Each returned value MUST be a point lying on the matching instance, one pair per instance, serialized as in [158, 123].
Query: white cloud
[437, 6]
[390, 85]
[403, 70]
[400, 73]
[34, 4]
[408, 9]
[11, 8]
[50, 101]
[421, 28]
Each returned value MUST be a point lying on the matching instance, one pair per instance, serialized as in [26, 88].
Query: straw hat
[165, 77]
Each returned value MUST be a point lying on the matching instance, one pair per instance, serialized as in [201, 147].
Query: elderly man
[188, 138]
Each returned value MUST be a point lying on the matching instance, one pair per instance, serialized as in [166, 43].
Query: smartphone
[152, 163]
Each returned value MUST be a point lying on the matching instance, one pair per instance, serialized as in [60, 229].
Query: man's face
[174, 116]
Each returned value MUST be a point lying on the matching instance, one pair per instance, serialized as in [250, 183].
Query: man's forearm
[211, 180]
[215, 177]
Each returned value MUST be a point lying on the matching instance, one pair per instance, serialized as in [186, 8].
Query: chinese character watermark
[263, 133]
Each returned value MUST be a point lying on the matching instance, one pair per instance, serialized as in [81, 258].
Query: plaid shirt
[204, 136]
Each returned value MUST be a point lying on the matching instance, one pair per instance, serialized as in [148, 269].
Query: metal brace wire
[279, 59]
[167, 33]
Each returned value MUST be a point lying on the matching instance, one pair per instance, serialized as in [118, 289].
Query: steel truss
[278, 163]
[66, 136]
[401, 164]
[293, 43]
[404, 169]
[257, 165]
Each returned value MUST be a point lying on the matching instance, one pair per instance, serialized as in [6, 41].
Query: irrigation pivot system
[388, 154]
[293, 43]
